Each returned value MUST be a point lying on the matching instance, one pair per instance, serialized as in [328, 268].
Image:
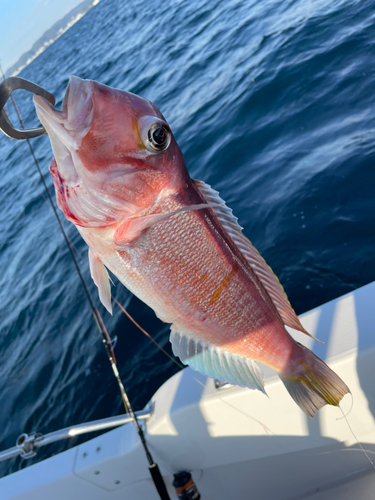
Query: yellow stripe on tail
[315, 386]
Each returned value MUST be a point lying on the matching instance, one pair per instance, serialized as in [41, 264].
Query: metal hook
[6, 88]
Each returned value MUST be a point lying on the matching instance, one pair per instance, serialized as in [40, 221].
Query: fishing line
[355, 437]
[351, 407]
[153, 467]
[147, 334]
[129, 316]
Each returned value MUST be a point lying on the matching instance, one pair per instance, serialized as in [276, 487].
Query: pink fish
[120, 177]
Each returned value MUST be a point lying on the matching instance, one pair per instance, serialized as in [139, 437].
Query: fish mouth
[78, 104]
[70, 125]
[78, 191]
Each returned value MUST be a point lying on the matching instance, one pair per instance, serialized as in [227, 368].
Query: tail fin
[315, 385]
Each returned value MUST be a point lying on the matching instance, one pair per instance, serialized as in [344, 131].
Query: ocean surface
[271, 102]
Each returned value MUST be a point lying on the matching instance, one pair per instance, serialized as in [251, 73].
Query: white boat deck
[237, 443]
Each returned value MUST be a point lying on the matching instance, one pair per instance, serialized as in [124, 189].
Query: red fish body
[121, 179]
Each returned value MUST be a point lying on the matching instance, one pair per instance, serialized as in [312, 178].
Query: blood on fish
[60, 193]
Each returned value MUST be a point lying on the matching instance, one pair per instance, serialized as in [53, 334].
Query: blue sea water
[271, 102]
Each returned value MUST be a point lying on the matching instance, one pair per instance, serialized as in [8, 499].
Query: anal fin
[216, 362]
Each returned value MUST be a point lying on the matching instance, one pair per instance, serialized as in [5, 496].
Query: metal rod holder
[27, 445]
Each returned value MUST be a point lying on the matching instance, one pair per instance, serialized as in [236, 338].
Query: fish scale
[120, 177]
[173, 255]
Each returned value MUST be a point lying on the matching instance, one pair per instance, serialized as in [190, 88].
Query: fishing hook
[8, 86]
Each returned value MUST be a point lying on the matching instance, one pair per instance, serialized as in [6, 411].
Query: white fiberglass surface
[235, 434]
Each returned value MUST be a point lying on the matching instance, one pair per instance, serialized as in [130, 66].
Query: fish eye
[154, 133]
[158, 137]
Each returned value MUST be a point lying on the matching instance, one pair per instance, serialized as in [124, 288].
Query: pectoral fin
[256, 261]
[132, 228]
[101, 279]
[129, 230]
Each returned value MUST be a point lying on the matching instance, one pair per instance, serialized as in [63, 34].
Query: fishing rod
[6, 88]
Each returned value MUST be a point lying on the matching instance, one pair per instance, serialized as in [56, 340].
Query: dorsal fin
[257, 263]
